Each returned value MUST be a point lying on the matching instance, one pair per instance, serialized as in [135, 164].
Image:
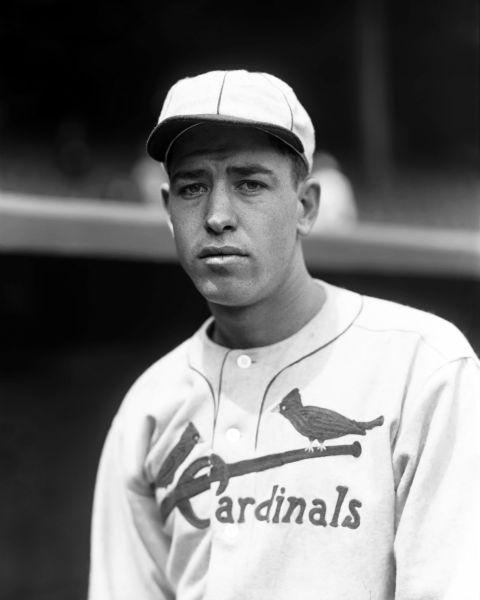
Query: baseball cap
[239, 97]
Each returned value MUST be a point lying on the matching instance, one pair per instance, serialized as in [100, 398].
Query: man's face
[234, 209]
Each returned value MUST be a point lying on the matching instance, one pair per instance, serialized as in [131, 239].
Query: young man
[306, 442]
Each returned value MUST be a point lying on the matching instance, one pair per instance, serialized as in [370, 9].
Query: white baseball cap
[241, 97]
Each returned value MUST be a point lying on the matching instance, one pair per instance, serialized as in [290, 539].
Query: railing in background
[132, 231]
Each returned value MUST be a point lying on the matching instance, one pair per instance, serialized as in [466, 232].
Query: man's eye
[192, 190]
[250, 187]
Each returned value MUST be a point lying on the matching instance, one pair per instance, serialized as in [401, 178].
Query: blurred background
[90, 292]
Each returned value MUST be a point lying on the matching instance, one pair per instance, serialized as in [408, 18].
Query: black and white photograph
[240, 300]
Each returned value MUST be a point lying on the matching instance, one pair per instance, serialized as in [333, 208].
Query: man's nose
[220, 214]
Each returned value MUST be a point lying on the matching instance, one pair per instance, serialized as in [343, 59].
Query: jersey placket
[242, 386]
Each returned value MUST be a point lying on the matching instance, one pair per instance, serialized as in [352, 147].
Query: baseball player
[307, 441]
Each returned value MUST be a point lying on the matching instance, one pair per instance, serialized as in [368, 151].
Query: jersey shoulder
[153, 387]
[395, 319]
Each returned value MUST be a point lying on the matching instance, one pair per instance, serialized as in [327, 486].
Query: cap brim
[167, 131]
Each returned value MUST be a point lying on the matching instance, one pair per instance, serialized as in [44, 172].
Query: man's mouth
[222, 251]
[222, 255]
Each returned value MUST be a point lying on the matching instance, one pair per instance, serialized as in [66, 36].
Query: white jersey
[341, 463]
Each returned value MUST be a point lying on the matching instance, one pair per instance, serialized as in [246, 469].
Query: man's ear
[308, 205]
[165, 191]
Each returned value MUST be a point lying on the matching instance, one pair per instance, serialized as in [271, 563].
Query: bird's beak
[276, 408]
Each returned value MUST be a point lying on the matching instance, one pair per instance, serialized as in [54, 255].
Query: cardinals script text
[282, 508]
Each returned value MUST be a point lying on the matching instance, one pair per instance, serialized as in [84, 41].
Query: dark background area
[393, 90]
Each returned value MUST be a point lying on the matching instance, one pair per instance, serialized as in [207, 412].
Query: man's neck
[267, 323]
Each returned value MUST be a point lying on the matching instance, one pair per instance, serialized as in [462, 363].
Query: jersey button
[233, 435]
[244, 361]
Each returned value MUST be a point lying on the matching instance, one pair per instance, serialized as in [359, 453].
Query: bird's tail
[371, 424]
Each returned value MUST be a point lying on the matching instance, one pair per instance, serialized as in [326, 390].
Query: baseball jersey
[340, 463]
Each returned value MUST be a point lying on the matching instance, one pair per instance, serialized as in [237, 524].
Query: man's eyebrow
[250, 169]
[188, 174]
[246, 170]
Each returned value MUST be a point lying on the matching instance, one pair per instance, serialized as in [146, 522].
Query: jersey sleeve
[128, 549]
[436, 462]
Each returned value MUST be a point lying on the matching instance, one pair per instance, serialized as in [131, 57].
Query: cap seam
[221, 92]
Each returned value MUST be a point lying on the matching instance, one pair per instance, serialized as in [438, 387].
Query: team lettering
[281, 508]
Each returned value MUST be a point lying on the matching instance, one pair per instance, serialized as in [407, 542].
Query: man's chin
[228, 294]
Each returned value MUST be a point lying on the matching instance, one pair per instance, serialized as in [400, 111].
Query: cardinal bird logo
[320, 424]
